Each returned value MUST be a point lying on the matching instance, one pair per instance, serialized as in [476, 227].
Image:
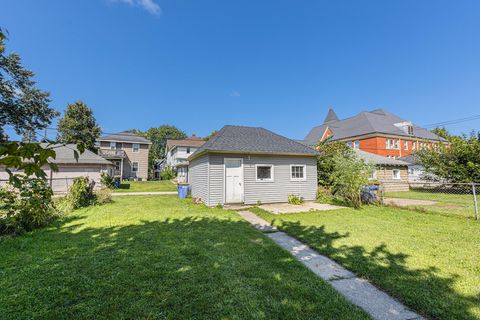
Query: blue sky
[276, 64]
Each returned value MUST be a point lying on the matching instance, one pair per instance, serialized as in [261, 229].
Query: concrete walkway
[147, 193]
[359, 292]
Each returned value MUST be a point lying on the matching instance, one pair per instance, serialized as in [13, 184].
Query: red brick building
[378, 131]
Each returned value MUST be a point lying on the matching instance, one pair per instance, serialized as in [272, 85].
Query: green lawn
[158, 257]
[430, 262]
[446, 204]
[144, 186]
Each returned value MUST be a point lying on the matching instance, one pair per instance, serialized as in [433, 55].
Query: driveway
[408, 202]
[278, 208]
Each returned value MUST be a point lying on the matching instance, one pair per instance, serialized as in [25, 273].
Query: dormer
[406, 126]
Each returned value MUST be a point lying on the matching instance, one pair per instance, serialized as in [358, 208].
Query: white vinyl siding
[198, 177]
[210, 187]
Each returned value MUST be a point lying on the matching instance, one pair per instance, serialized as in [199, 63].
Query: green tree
[342, 172]
[22, 106]
[326, 160]
[457, 161]
[214, 132]
[441, 132]
[26, 109]
[79, 126]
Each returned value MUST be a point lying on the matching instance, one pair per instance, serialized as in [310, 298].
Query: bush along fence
[451, 199]
[59, 185]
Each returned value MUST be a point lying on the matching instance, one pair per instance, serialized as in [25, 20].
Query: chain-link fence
[58, 185]
[452, 199]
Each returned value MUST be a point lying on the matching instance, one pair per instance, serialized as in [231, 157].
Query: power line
[450, 122]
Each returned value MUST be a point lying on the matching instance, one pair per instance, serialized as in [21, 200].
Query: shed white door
[233, 180]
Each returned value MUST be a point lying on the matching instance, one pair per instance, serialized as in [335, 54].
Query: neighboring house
[251, 165]
[392, 173]
[88, 165]
[128, 153]
[177, 153]
[158, 166]
[416, 172]
[378, 131]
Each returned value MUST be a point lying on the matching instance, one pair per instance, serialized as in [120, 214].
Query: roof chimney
[331, 116]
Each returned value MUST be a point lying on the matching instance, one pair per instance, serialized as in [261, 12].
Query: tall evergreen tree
[78, 126]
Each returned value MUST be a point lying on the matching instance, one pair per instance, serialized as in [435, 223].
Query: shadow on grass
[424, 290]
[203, 268]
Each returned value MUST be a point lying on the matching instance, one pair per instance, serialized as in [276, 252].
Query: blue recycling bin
[369, 194]
[117, 183]
[183, 190]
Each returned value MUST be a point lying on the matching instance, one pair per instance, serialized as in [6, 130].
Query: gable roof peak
[331, 116]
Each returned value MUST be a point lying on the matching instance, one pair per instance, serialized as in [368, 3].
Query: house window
[135, 147]
[405, 145]
[414, 145]
[113, 146]
[297, 172]
[396, 174]
[264, 172]
[134, 166]
[356, 144]
[386, 144]
[188, 149]
[397, 144]
[410, 130]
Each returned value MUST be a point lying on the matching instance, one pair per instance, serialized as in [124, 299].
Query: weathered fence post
[475, 201]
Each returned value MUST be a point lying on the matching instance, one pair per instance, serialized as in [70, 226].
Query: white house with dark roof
[250, 165]
[177, 152]
[128, 152]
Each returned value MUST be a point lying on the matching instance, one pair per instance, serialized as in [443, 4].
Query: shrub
[350, 175]
[27, 207]
[294, 199]
[103, 196]
[167, 174]
[324, 195]
[107, 181]
[81, 194]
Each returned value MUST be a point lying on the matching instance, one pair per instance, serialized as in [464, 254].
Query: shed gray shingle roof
[65, 155]
[124, 137]
[241, 139]
[379, 160]
[376, 121]
[410, 159]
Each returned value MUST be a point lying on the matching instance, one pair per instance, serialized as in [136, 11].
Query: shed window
[396, 174]
[264, 172]
[135, 147]
[297, 172]
[134, 166]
